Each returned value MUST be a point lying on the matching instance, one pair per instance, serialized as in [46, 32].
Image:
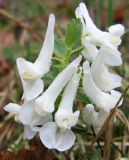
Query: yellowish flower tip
[28, 75]
[114, 41]
[41, 111]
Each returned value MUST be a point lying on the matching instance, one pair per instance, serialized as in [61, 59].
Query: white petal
[90, 52]
[70, 92]
[105, 80]
[28, 116]
[32, 89]
[95, 35]
[12, 108]
[65, 117]
[15, 109]
[79, 15]
[28, 133]
[68, 140]
[30, 77]
[48, 135]
[89, 23]
[46, 101]
[66, 120]
[53, 138]
[101, 99]
[117, 30]
[44, 58]
[112, 55]
[27, 70]
[91, 117]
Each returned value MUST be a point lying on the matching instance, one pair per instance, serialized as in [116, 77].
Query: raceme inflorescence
[89, 70]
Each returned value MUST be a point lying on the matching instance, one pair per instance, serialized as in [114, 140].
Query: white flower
[58, 135]
[45, 103]
[101, 99]
[94, 118]
[14, 109]
[105, 80]
[112, 55]
[95, 36]
[90, 51]
[31, 73]
[26, 115]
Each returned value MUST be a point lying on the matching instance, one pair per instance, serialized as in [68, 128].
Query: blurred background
[23, 25]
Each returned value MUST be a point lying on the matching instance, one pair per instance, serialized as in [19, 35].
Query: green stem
[57, 59]
[110, 12]
[78, 49]
[67, 57]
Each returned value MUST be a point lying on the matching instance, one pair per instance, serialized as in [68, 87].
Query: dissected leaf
[59, 47]
[73, 34]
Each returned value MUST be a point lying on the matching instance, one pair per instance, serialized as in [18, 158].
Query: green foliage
[60, 48]
[12, 52]
[96, 155]
[73, 34]
[82, 96]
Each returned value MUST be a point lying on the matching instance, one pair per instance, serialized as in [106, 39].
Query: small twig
[117, 148]
[100, 147]
[81, 132]
[112, 114]
[108, 138]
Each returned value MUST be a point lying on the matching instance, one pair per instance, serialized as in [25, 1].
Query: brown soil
[35, 152]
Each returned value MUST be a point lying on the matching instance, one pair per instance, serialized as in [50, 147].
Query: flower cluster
[38, 113]
[101, 49]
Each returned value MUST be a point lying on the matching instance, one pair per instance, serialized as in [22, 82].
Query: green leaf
[96, 155]
[59, 47]
[82, 96]
[12, 52]
[73, 34]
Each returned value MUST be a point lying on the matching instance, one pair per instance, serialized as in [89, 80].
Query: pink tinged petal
[28, 133]
[53, 138]
[101, 99]
[45, 55]
[45, 103]
[117, 30]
